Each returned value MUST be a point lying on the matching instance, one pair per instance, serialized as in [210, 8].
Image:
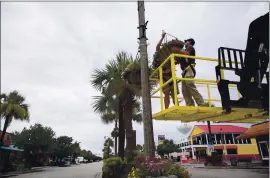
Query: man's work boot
[204, 105]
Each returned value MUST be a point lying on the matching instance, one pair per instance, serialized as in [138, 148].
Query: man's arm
[160, 41]
[187, 52]
[181, 51]
[184, 52]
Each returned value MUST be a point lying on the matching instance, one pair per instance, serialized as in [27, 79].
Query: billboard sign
[161, 139]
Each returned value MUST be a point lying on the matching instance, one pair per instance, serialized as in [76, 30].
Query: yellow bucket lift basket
[197, 113]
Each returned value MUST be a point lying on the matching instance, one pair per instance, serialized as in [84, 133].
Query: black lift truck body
[251, 66]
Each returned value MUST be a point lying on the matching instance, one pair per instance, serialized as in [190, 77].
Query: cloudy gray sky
[49, 51]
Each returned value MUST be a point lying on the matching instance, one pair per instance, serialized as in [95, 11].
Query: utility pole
[146, 98]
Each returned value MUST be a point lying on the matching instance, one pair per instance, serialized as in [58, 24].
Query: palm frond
[9, 109]
[99, 78]
[19, 112]
[100, 104]
[26, 111]
[137, 117]
[108, 118]
[13, 106]
[109, 81]
[15, 98]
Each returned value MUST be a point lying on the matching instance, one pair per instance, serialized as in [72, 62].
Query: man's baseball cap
[191, 40]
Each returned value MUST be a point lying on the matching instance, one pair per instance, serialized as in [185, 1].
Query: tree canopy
[38, 136]
[108, 143]
[42, 139]
[167, 147]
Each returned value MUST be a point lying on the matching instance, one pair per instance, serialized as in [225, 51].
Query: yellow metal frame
[196, 113]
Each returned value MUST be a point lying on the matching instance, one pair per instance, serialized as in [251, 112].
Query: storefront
[224, 142]
[260, 132]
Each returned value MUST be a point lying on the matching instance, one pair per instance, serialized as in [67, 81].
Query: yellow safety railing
[175, 79]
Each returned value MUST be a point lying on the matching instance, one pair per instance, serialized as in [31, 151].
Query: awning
[11, 148]
[221, 147]
[231, 146]
[254, 131]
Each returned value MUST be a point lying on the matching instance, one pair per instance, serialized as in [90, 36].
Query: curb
[30, 171]
[98, 175]
[11, 175]
[233, 168]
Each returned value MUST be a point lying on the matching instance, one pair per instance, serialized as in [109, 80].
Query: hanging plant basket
[135, 77]
[132, 73]
[165, 51]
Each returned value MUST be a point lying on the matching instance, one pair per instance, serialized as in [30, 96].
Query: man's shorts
[166, 77]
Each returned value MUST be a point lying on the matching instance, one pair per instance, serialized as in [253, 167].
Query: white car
[80, 159]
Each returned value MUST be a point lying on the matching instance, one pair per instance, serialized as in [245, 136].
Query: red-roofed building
[224, 142]
[7, 138]
[224, 128]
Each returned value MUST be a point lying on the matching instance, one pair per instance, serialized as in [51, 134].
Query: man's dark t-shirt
[189, 61]
[191, 49]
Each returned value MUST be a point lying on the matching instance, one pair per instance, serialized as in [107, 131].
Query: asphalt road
[89, 170]
[92, 170]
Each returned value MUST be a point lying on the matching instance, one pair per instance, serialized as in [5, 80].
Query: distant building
[183, 146]
[224, 142]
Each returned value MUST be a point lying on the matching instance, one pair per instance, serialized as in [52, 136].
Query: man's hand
[163, 33]
[160, 41]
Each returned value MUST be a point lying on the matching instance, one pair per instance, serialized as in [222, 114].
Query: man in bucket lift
[189, 89]
[167, 74]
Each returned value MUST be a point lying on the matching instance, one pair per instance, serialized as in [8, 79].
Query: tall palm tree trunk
[121, 141]
[128, 123]
[115, 139]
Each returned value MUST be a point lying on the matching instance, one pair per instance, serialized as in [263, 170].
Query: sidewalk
[15, 173]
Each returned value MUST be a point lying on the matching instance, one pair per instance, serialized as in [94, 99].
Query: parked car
[64, 162]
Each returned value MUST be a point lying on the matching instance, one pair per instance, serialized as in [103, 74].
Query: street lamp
[107, 144]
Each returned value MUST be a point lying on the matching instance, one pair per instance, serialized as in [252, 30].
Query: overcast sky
[49, 50]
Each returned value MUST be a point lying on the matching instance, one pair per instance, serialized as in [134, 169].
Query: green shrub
[113, 166]
[177, 170]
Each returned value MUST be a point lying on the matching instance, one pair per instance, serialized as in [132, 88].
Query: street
[92, 169]
[89, 170]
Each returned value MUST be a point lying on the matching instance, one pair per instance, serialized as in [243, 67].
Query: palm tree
[107, 147]
[109, 80]
[13, 107]
[107, 107]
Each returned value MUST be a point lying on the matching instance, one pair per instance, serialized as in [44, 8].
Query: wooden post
[146, 99]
